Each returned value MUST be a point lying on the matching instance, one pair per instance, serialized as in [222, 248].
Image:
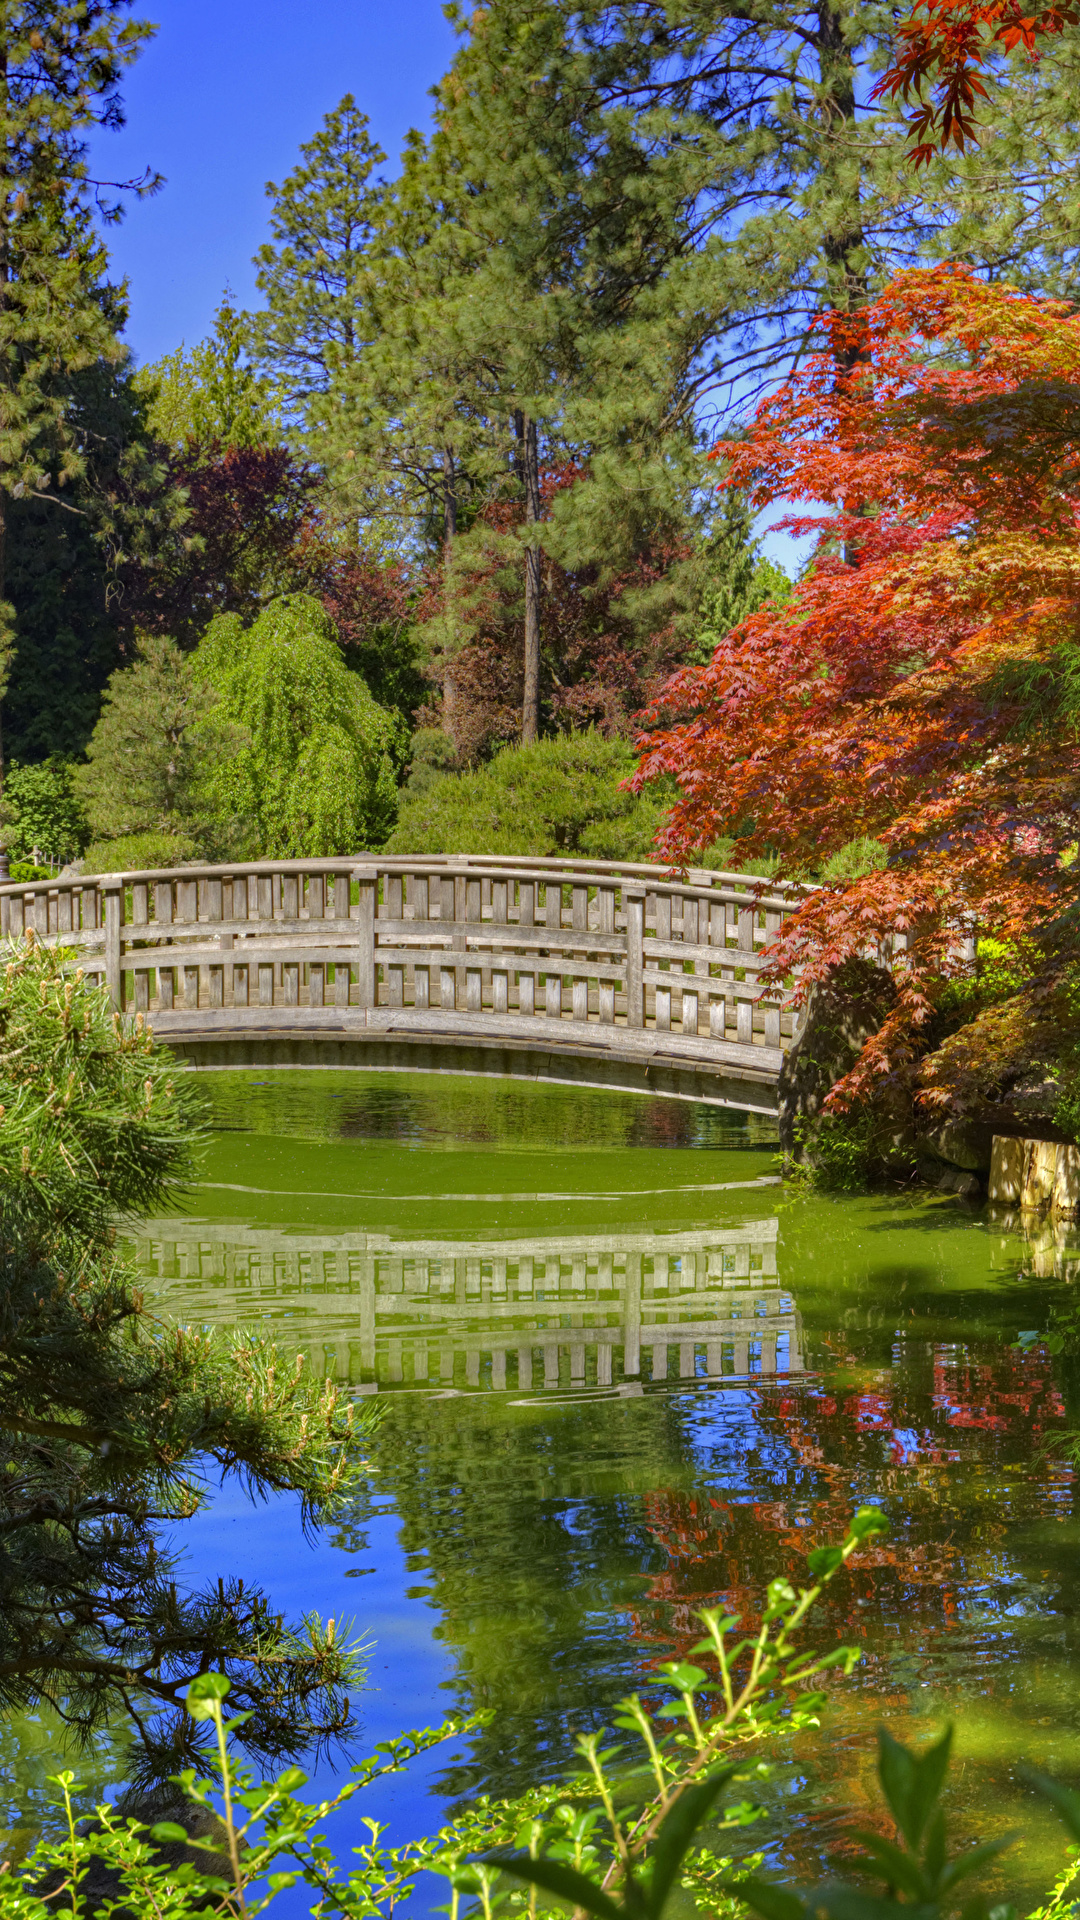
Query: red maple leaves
[946, 44]
[911, 691]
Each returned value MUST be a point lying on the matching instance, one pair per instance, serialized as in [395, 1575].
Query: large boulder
[103, 1884]
[842, 1014]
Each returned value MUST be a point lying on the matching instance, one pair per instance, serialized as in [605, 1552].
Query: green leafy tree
[210, 395]
[559, 796]
[42, 811]
[111, 1428]
[60, 69]
[316, 771]
[313, 272]
[144, 787]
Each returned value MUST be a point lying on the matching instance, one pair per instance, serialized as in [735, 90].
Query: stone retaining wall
[1039, 1176]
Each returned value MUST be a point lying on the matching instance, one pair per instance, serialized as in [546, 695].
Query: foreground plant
[112, 1425]
[626, 1824]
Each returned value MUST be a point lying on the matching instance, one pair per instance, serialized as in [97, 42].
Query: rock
[956, 1180]
[104, 1884]
[841, 1015]
[1039, 1176]
[962, 1143]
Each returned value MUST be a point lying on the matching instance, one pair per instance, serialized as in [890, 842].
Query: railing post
[367, 879]
[114, 920]
[634, 905]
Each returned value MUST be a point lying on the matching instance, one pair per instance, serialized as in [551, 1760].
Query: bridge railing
[517, 940]
[574, 1311]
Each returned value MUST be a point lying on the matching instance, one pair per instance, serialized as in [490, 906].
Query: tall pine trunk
[844, 247]
[450, 520]
[529, 471]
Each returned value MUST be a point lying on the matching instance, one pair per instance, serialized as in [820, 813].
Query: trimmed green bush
[562, 796]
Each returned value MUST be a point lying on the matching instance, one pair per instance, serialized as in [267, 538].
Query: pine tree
[150, 758]
[60, 68]
[313, 273]
[112, 1431]
[738, 578]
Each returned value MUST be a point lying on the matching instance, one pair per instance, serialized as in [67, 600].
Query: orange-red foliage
[893, 696]
[946, 44]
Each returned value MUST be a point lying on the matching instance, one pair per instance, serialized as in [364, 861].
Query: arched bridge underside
[588, 974]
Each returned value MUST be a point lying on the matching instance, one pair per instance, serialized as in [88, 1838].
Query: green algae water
[625, 1374]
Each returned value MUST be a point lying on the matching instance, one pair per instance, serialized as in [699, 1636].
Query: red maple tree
[947, 45]
[919, 688]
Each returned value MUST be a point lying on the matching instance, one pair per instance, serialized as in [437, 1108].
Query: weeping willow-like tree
[316, 771]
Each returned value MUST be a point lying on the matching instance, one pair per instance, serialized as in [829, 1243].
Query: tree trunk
[844, 249]
[450, 518]
[529, 470]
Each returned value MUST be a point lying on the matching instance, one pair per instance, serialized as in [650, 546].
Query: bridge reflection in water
[600, 1313]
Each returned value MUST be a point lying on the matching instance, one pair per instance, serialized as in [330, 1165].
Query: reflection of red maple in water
[901, 1439]
[883, 1440]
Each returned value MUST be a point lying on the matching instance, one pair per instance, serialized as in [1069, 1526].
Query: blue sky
[219, 103]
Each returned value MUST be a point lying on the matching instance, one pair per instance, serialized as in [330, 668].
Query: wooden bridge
[586, 973]
[602, 1312]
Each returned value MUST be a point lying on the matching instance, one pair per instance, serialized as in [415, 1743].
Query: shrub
[561, 796]
[137, 850]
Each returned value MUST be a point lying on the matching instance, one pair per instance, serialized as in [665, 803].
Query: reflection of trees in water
[425, 1110]
[566, 1551]
[529, 1529]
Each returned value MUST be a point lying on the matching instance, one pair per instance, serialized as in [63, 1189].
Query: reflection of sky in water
[541, 1549]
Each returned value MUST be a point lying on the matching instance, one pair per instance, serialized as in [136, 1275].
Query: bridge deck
[584, 974]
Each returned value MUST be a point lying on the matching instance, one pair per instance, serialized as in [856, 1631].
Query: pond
[625, 1374]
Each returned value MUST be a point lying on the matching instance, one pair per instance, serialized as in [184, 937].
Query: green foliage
[315, 773]
[560, 796]
[431, 757]
[112, 1426]
[739, 579]
[41, 810]
[95, 1120]
[62, 68]
[150, 758]
[616, 1837]
[133, 852]
[73, 559]
[863, 855]
[840, 1153]
[323, 218]
[210, 395]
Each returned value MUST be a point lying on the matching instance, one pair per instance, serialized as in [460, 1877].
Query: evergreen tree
[112, 1431]
[494, 281]
[149, 761]
[738, 578]
[75, 564]
[60, 68]
[313, 273]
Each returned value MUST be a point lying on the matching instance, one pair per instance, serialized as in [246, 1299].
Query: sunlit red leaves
[945, 46]
[884, 700]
